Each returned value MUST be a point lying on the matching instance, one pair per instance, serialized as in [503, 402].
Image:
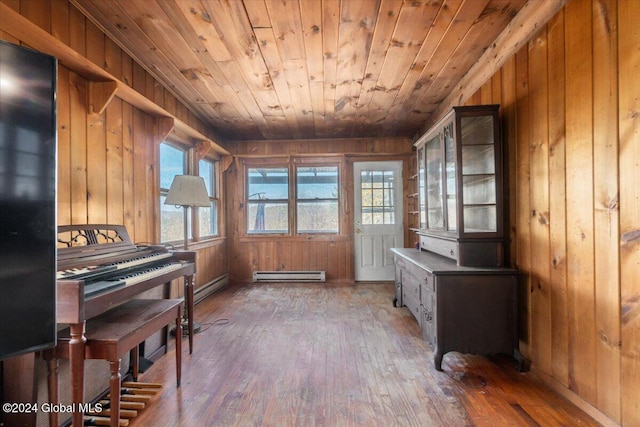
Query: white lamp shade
[188, 190]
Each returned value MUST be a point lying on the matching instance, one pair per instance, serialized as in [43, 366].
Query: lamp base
[185, 328]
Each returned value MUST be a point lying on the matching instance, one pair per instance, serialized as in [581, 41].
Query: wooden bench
[114, 333]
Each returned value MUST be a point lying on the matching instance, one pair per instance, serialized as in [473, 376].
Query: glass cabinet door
[422, 203]
[434, 187]
[450, 171]
[479, 208]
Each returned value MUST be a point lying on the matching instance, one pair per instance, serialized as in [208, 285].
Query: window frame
[298, 200]
[250, 202]
[291, 164]
[214, 199]
[192, 167]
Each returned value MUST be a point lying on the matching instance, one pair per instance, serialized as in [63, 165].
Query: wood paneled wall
[107, 163]
[570, 107]
[570, 100]
[334, 254]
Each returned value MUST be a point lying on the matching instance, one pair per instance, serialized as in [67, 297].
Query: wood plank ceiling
[304, 69]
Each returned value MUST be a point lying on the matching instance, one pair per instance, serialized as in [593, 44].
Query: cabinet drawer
[446, 248]
[410, 286]
[429, 282]
[421, 275]
[413, 305]
[400, 262]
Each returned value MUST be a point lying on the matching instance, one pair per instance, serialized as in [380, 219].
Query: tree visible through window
[317, 199]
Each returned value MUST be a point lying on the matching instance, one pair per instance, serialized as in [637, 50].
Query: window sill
[200, 244]
[301, 238]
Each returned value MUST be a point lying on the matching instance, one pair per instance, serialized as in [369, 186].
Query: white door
[378, 217]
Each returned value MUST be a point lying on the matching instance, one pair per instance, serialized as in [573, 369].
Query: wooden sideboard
[463, 309]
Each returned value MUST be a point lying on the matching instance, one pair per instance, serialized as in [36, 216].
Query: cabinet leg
[395, 302]
[521, 363]
[437, 360]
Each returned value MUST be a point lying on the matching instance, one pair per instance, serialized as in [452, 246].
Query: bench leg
[52, 384]
[76, 365]
[134, 355]
[114, 390]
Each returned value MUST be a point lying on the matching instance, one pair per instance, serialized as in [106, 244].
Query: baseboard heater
[288, 276]
[211, 287]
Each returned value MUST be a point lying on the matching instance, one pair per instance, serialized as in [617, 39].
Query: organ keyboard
[99, 268]
[95, 270]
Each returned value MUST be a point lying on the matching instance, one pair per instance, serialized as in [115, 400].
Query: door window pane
[378, 195]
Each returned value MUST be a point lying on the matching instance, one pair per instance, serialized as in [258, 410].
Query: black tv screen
[27, 200]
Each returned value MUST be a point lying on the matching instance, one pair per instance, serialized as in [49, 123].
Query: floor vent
[288, 276]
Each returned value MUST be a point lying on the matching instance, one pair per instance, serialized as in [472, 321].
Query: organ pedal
[106, 412]
[135, 384]
[133, 398]
[136, 406]
[103, 421]
[142, 391]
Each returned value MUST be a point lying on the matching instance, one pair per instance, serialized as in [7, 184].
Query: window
[174, 160]
[292, 199]
[268, 200]
[172, 163]
[209, 216]
[317, 199]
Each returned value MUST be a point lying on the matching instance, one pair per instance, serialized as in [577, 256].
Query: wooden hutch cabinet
[455, 283]
[461, 187]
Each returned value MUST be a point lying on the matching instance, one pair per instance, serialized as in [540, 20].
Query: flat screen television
[28, 139]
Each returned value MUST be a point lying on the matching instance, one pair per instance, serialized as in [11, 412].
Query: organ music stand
[188, 191]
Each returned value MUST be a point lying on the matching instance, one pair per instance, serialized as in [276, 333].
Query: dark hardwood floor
[324, 355]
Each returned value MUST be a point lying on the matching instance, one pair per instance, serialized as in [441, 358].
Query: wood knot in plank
[205, 16]
[602, 336]
[630, 308]
[630, 238]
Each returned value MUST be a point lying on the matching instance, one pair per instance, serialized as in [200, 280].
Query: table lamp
[187, 191]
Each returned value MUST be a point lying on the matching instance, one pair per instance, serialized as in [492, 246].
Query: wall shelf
[103, 85]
